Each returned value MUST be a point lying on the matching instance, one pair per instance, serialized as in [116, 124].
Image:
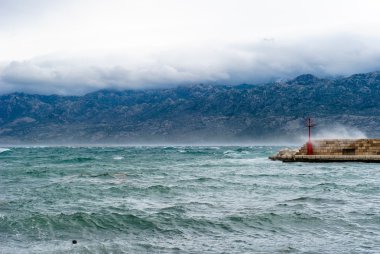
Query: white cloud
[77, 46]
[78, 72]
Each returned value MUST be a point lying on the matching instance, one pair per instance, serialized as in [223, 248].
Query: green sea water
[184, 200]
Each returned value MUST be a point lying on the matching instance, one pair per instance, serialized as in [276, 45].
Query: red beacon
[310, 124]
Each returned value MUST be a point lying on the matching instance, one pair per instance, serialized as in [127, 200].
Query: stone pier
[335, 150]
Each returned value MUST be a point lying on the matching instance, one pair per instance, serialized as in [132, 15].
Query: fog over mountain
[257, 63]
[269, 113]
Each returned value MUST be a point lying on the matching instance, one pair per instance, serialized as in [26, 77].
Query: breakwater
[334, 150]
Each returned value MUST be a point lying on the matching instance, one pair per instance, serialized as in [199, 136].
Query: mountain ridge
[199, 113]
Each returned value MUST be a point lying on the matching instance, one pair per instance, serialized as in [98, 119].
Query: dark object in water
[75, 242]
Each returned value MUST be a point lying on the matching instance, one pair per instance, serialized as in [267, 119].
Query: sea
[184, 199]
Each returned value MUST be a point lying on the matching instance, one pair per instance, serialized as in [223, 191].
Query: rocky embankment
[285, 155]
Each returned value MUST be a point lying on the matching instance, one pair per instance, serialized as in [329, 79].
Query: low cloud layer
[259, 62]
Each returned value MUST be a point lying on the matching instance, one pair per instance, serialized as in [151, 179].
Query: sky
[72, 47]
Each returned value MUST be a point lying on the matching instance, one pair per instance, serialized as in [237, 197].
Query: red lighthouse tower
[310, 124]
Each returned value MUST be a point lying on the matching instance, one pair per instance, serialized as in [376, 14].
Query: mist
[328, 131]
[340, 132]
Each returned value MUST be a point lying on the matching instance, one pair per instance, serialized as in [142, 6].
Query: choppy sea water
[184, 200]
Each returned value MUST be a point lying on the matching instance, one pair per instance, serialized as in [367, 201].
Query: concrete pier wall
[347, 147]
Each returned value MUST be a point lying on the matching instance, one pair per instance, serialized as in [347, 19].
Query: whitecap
[119, 175]
[118, 157]
[119, 178]
[232, 154]
[4, 150]
[247, 161]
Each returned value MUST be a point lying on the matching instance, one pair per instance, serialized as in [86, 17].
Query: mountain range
[195, 114]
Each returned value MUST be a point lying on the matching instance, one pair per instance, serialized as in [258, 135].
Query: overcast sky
[78, 46]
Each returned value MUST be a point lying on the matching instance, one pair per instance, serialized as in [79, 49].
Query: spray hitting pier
[332, 150]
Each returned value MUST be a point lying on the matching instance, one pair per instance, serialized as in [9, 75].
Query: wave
[77, 160]
[159, 188]
[246, 161]
[273, 221]
[317, 200]
[37, 172]
[90, 221]
[106, 175]
[3, 150]
[173, 210]
[237, 153]
[101, 175]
